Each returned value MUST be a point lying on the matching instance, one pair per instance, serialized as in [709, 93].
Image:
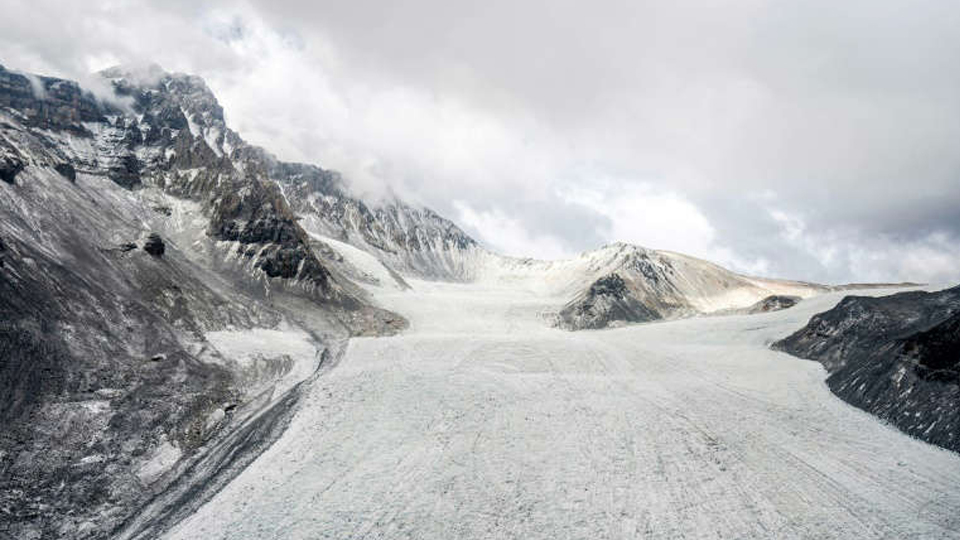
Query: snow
[482, 422]
[211, 136]
[370, 269]
[194, 128]
[280, 357]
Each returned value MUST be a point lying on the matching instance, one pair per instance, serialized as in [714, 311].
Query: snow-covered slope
[414, 241]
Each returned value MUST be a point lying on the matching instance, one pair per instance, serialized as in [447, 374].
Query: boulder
[67, 171]
[154, 245]
[10, 166]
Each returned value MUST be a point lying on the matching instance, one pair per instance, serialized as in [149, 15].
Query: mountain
[897, 357]
[410, 240]
[626, 283]
[159, 301]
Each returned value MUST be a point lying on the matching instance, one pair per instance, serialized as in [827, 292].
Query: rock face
[118, 392]
[10, 167]
[936, 352]
[606, 302]
[49, 103]
[897, 357]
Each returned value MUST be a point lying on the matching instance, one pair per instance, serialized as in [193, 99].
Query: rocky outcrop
[605, 303]
[11, 162]
[49, 103]
[10, 167]
[775, 302]
[267, 233]
[67, 171]
[154, 245]
[936, 353]
[893, 356]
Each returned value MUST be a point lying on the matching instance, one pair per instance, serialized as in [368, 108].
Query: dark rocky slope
[897, 357]
[606, 302]
[132, 230]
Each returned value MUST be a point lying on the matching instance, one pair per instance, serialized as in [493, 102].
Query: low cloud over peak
[807, 140]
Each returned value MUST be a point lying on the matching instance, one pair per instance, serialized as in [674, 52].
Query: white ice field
[481, 421]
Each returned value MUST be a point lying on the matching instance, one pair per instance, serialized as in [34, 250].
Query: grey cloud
[842, 116]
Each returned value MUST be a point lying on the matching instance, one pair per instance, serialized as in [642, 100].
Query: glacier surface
[481, 421]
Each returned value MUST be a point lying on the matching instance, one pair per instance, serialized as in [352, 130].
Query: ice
[483, 422]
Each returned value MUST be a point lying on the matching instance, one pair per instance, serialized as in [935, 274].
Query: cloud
[36, 86]
[809, 140]
[508, 235]
[928, 258]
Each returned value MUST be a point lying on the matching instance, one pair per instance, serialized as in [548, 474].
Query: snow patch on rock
[160, 461]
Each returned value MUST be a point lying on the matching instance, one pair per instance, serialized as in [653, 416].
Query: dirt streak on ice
[481, 422]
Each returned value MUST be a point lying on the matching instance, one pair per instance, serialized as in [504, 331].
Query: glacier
[481, 421]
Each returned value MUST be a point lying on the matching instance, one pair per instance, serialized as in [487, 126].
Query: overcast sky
[815, 140]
